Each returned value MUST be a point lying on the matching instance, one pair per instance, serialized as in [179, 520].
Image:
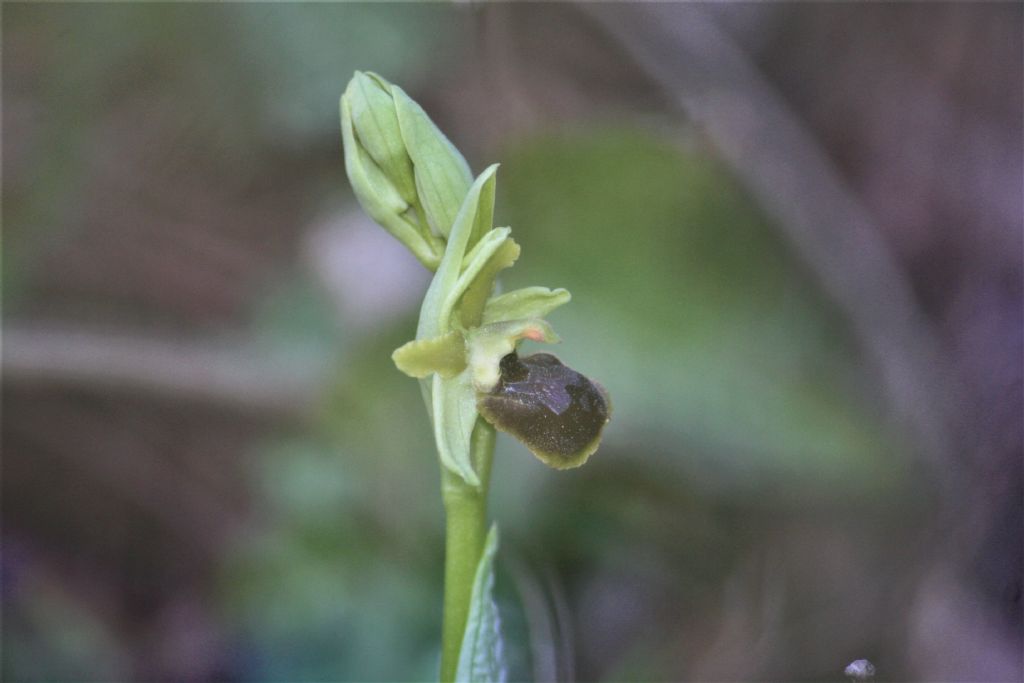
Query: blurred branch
[681, 49]
[218, 372]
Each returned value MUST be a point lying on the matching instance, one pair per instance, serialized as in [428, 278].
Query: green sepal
[445, 355]
[477, 282]
[435, 315]
[480, 266]
[487, 345]
[453, 408]
[482, 655]
[441, 173]
[529, 302]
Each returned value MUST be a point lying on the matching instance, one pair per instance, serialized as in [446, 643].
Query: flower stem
[465, 532]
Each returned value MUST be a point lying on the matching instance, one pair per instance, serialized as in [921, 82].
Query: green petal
[529, 302]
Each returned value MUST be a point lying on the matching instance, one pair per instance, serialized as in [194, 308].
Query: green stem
[466, 530]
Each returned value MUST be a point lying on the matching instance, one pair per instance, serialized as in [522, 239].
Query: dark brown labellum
[554, 410]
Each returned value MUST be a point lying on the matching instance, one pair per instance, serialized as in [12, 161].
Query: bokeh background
[793, 236]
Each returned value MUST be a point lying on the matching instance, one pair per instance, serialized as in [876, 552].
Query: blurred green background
[213, 472]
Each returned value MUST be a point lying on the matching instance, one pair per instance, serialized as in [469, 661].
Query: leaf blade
[482, 655]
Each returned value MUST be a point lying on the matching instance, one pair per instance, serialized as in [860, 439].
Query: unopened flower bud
[405, 172]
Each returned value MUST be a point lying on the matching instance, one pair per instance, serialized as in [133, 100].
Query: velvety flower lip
[553, 410]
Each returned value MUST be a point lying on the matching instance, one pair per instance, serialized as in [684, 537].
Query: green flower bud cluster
[405, 172]
[412, 180]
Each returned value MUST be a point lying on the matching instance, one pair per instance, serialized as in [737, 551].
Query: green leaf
[442, 174]
[445, 355]
[453, 403]
[482, 656]
[434, 318]
[529, 302]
